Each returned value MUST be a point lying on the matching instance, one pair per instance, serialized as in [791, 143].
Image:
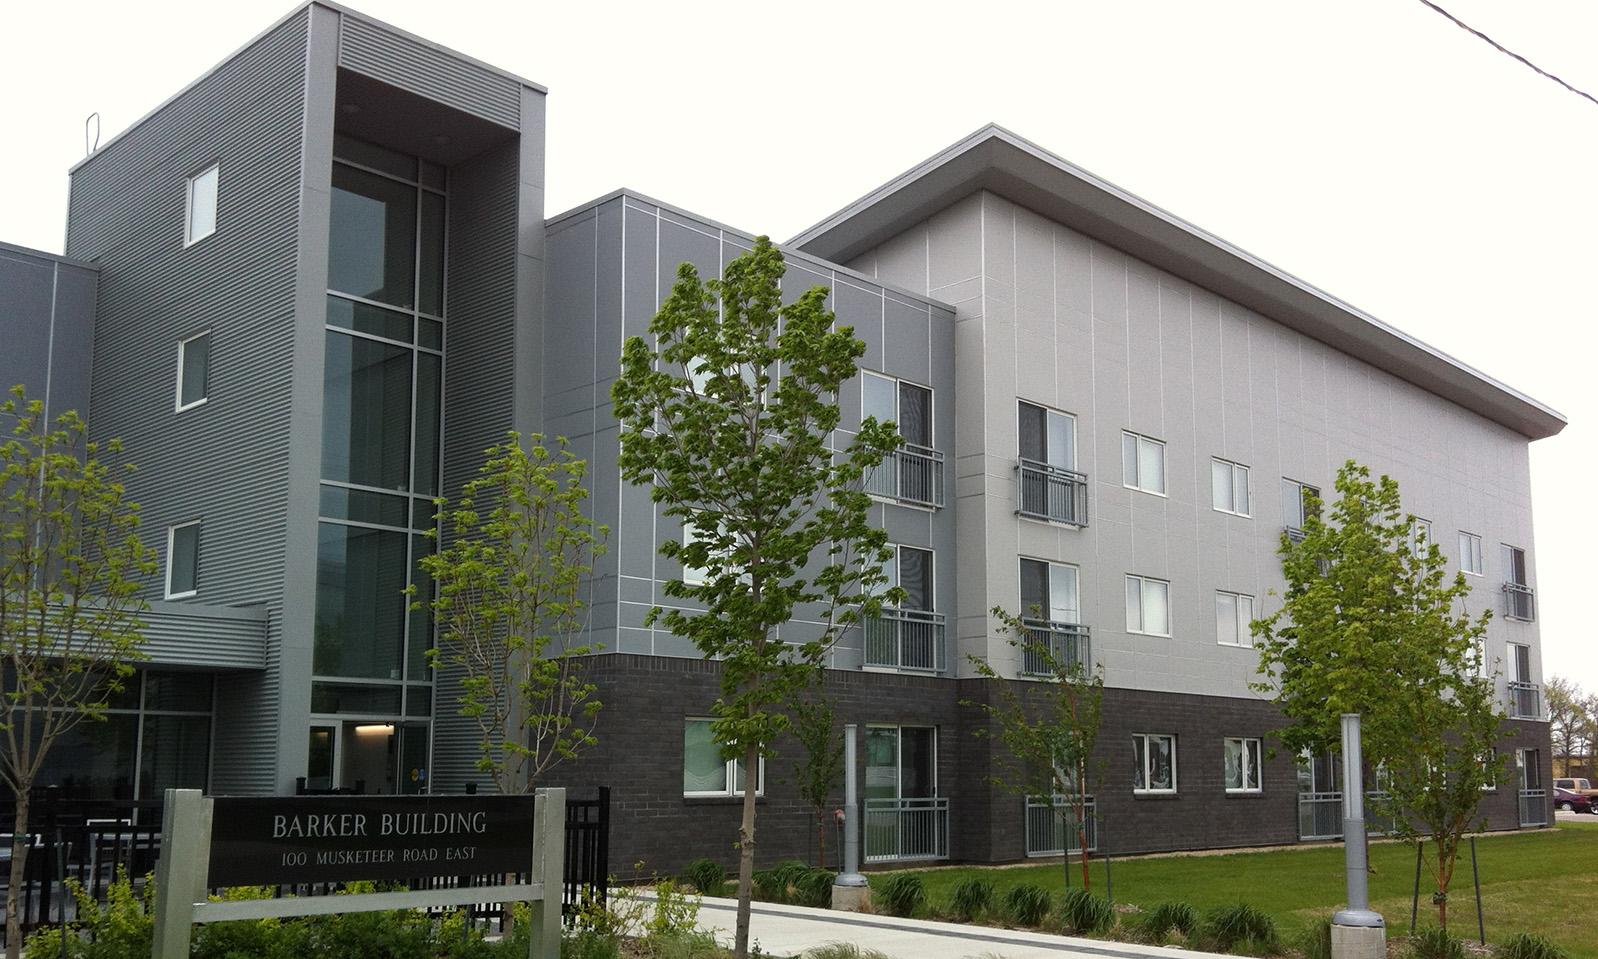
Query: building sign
[265, 841]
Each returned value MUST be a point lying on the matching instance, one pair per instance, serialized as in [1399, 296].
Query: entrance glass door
[905, 819]
[322, 759]
[372, 757]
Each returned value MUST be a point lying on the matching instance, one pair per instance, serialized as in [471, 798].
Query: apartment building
[309, 289]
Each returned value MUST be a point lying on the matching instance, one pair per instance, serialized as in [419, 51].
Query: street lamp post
[850, 890]
[1357, 932]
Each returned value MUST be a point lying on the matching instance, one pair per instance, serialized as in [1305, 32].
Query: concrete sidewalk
[790, 930]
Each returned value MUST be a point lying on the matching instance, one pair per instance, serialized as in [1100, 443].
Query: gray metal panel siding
[49, 328]
[212, 637]
[225, 462]
[398, 60]
[479, 382]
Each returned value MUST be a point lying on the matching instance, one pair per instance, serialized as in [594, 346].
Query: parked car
[1571, 801]
[1582, 786]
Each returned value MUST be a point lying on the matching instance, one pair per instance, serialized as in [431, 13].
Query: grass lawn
[1544, 882]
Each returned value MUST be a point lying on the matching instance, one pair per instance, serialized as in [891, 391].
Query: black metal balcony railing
[1520, 602]
[900, 829]
[1046, 831]
[907, 639]
[1525, 700]
[911, 474]
[1065, 644]
[1053, 493]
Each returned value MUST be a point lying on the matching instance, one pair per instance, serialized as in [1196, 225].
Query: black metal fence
[91, 841]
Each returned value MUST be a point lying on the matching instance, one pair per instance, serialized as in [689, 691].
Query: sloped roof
[995, 159]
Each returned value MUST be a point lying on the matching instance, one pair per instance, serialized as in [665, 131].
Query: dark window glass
[183, 560]
[360, 602]
[915, 576]
[1034, 432]
[429, 376]
[917, 752]
[366, 318]
[1034, 588]
[182, 692]
[196, 368]
[366, 414]
[371, 155]
[363, 507]
[92, 760]
[319, 766]
[430, 334]
[418, 700]
[175, 754]
[915, 414]
[351, 698]
[422, 514]
[421, 622]
[372, 241]
[430, 279]
[432, 175]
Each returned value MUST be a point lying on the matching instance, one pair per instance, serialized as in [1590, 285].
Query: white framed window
[1470, 556]
[1050, 591]
[1142, 463]
[1233, 613]
[1154, 763]
[911, 569]
[194, 371]
[1046, 436]
[199, 220]
[1420, 535]
[1242, 758]
[183, 559]
[1300, 501]
[692, 575]
[892, 400]
[1148, 605]
[1229, 487]
[705, 772]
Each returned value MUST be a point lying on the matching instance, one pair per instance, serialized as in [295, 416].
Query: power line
[1507, 52]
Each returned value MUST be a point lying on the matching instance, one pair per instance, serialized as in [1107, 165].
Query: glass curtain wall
[380, 440]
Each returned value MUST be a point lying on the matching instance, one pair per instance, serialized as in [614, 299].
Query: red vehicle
[1570, 801]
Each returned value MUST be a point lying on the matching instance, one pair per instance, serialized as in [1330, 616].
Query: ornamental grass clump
[1435, 943]
[971, 898]
[1027, 905]
[1239, 928]
[1525, 945]
[705, 875]
[1160, 921]
[901, 894]
[1084, 913]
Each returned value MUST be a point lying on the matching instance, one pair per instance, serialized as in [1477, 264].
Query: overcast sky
[1368, 146]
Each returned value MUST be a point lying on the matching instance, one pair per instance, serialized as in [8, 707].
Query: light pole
[1357, 932]
[850, 891]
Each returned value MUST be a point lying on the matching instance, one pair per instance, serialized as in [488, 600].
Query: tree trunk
[19, 859]
[821, 837]
[746, 850]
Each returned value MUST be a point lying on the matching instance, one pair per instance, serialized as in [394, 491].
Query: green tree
[1568, 721]
[71, 568]
[820, 767]
[1049, 729]
[752, 461]
[1371, 623]
[511, 608]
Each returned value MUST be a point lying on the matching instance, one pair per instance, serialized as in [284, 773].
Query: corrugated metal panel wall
[180, 634]
[479, 381]
[405, 63]
[224, 462]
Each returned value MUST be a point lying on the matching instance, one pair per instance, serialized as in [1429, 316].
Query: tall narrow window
[914, 472]
[1148, 606]
[1518, 593]
[1470, 557]
[183, 560]
[1154, 763]
[1051, 488]
[1233, 613]
[1242, 758]
[1229, 482]
[194, 370]
[200, 215]
[1300, 501]
[1142, 463]
[911, 570]
[1420, 536]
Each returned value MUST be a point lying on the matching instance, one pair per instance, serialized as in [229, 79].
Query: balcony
[1533, 807]
[1525, 700]
[910, 640]
[909, 474]
[1052, 493]
[1051, 644]
[1294, 534]
[899, 830]
[1046, 834]
[1520, 602]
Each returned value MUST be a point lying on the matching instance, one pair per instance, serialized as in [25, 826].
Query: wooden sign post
[209, 843]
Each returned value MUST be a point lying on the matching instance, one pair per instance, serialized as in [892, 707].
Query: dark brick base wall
[640, 757]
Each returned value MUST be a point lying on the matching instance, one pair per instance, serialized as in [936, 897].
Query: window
[1470, 558]
[1515, 566]
[1049, 591]
[692, 575]
[911, 570]
[705, 772]
[1420, 535]
[194, 367]
[1518, 593]
[1229, 483]
[1233, 613]
[1242, 765]
[914, 472]
[1046, 436]
[1300, 501]
[891, 400]
[1489, 768]
[1142, 463]
[1154, 756]
[200, 216]
[1148, 606]
[183, 560]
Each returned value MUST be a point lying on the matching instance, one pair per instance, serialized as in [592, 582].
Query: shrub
[841, 950]
[676, 912]
[686, 944]
[1027, 905]
[1525, 945]
[789, 872]
[814, 888]
[1158, 922]
[970, 898]
[1316, 941]
[1084, 913]
[769, 886]
[1227, 928]
[901, 894]
[706, 875]
[1435, 943]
